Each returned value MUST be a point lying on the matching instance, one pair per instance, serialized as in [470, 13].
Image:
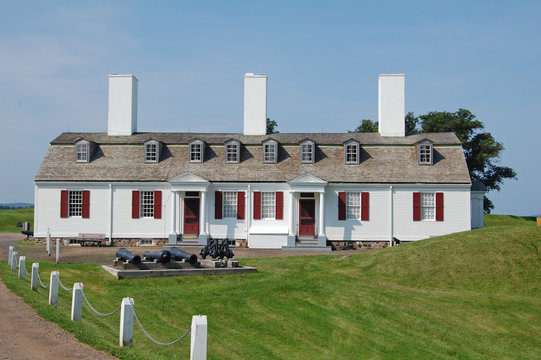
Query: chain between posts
[96, 311]
[45, 287]
[62, 285]
[148, 335]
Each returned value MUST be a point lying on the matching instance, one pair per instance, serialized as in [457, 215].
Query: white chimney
[391, 105]
[255, 104]
[122, 105]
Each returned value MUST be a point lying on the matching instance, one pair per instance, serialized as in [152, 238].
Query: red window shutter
[217, 204]
[279, 205]
[416, 206]
[257, 205]
[365, 206]
[341, 206]
[240, 205]
[64, 203]
[86, 204]
[439, 206]
[135, 204]
[157, 204]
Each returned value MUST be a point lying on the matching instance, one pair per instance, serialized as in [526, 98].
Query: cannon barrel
[162, 256]
[124, 254]
[178, 254]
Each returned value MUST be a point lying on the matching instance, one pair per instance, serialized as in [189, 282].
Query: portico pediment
[307, 179]
[189, 182]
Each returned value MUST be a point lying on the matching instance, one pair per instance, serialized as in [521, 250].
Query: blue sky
[322, 58]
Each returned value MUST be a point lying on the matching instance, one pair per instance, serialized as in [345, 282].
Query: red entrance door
[307, 218]
[191, 216]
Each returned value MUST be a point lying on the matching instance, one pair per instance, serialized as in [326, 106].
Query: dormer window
[152, 151]
[232, 151]
[307, 148]
[351, 152]
[424, 152]
[197, 151]
[270, 151]
[81, 150]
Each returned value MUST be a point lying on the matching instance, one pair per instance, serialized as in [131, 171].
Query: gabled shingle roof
[383, 159]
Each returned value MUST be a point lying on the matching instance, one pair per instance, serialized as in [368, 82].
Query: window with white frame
[151, 152]
[353, 205]
[196, 151]
[232, 152]
[75, 201]
[307, 152]
[268, 205]
[270, 152]
[428, 206]
[351, 152]
[230, 204]
[425, 154]
[82, 151]
[147, 204]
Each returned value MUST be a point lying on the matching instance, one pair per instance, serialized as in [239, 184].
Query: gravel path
[24, 335]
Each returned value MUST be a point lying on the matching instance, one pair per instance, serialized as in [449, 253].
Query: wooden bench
[93, 239]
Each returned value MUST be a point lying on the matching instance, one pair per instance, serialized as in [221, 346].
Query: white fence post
[35, 277]
[126, 323]
[10, 255]
[48, 246]
[57, 250]
[198, 348]
[77, 302]
[22, 267]
[14, 257]
[53, 289]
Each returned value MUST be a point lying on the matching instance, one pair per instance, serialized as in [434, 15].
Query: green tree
[272, 125]
[481, 150]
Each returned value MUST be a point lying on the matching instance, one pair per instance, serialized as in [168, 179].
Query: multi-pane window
[230, 204]
[307, 152]
[232, 152]
[195, 152]
[425, 154]
[353, 205]
[151, 152]
[75, 201]
[147, 204]
[428, 208]
[352, 153]
[269, 152]
[81, 152]
[268, 205]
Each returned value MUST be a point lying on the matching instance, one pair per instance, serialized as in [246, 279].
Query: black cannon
[217, 250]
[178, 255]
[162, 256]
[124, 254]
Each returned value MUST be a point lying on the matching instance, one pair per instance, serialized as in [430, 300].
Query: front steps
[307, 243]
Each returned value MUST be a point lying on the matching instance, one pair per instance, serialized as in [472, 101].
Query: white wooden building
[285, 190]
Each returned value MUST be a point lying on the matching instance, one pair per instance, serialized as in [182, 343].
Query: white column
[391, 217]
[202, 213]
[14, 258]
[173, 212]
[291, 213]
[321, 231]
[77, 302]
[198, 345]
[126, 323]
[10, 255]
[110, 214]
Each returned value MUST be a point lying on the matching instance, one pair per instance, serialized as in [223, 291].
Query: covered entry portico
[306, 213]
[188, 210]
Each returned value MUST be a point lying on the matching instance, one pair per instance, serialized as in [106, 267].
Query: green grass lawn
[9, 219]
[468, 295]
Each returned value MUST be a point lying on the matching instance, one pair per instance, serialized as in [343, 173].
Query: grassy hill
[468, 295]
[10, 217]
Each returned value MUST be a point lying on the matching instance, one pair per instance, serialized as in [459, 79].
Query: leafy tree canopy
[481, 150]
[272, 125]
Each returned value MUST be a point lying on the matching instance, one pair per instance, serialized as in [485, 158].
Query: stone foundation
[358, 245]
